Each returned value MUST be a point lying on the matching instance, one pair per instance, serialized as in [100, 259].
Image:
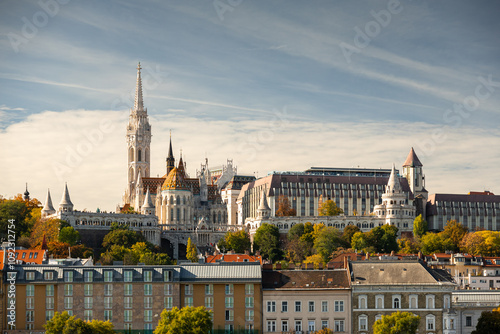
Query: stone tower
[412, 170]
[138, 142]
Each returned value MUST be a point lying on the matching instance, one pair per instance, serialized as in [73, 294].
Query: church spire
[48, 208]
[66, 204]
[138, 103]
[170, 157]
[26, 196]
[393, 186]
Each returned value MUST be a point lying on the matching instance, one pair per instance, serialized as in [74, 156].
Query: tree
[455, 232]
[191, 251]
[358, 241]
[324, 331]
[327, 241]
[300, 241]
[349, 231]
[408, 245]
[284, 207]
[69, 235]
[488, 323]
[122, 236]
[266, 240]
[62, 323]
[419, 226]
[434, 243]
[397, 323]
[486, 243]
[316, 259]
[17, 211]
[44, 228]
[188, 320]
[58, 250]
[238, 241]
[329, 208]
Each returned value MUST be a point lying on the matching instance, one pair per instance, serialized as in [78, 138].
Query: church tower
[138, 141]
[412, 170]
[170, 157]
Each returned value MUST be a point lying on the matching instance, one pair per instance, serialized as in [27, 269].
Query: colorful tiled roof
[174, 181]
[24, 256]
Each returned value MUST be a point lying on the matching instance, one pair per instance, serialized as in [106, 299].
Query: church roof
[412, 160]
[174, 181]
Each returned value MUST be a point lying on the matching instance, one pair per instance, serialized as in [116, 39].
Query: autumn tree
[419, 226]
[486, 243]
[397, 323]
[45, 228]
[488, 323]
[284, 207]
[324, 331]
[63, 323]
[22, 213]
[329, 208]
[188, 320]
[267, 241]
[191, 251]
[238, 241]
[455, 232]
[434, 243]
[348, 232]
[408, 245]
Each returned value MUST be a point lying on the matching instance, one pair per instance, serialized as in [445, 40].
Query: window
[148, 315]
[249, 315]
[339, 306]
[379, 301]
[88, 302]
[468, 321]
[88, 290]
[148, 289]
[68, 289]
[271, 306]
[229, 289]
[48, 275]
[249, 289]
[209, 289]
[148, 276]
[229, 302]
[249, 302]
[68, 302]
[339, 325]
[298, 325]
[88, 315]
[284, 306]
[429, 301]
[127, 302]
[209, 302]
[68, 276]
[311, 326]
[324, 306]
[168, 302]
[108, 276]
[127, 315]
[284, 325]
[127, 276]
[362, 301]
[188, 289]
[88, 276]
[298, 306]
[229, 315]
[429, 320]
[49, 315]
[148, 302]
[127, 289]
[49, 290]
[30, 303]
[378, 317]
[413, 301]
[271, 325]
[108, 289]
[324, 324]
[311, 306]
[446, 301]
[108, 315]
[108, 302]
[363, 321]
[167, 276]
[168, 288]
[30, 290]
[395, 302]
[188, 301]
[30, 275]
[30, 316]
[49, 303]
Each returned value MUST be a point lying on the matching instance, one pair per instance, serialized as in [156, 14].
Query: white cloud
[43, 151]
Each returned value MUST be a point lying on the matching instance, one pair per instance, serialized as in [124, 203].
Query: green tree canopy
[62, 323]
[69, 235]
[191, 251]
[21, 212]
[455, 232]
[488, 323]
[381, 239]
[266, 240]
[349, 231]
[122, 236]
[188, 320]
[397, 323]
[238, 241]
[327, 241]
[419, 226]
[329, 208]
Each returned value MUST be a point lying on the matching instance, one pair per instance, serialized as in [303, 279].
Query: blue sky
[274, 85]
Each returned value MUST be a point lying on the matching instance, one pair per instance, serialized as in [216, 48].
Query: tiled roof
[305, 279]
[174, 181]
[412, 160]
[24, 256]
[233, 258]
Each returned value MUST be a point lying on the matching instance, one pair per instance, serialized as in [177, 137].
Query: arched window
[139, 155]
[396, 301]
[131, 154]
[178, 200]
[429, 301]
[379, 302]
[362, 302]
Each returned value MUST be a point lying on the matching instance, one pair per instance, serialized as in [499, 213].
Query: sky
[272, 85]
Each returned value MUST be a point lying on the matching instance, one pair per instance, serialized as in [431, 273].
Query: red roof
[24, 256]
[412, 160]
[234, 258]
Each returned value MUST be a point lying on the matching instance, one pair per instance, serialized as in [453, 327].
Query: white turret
[48, 208]
[148, 208]
[263, 211]
[66, 205]
[138, 192]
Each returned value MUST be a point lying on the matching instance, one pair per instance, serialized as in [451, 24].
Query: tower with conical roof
[66, 205]
[263, 211]
[412, 170]
[148, 208]
[170, 157]
[48, 208]
[26, 195]
[138, 141]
